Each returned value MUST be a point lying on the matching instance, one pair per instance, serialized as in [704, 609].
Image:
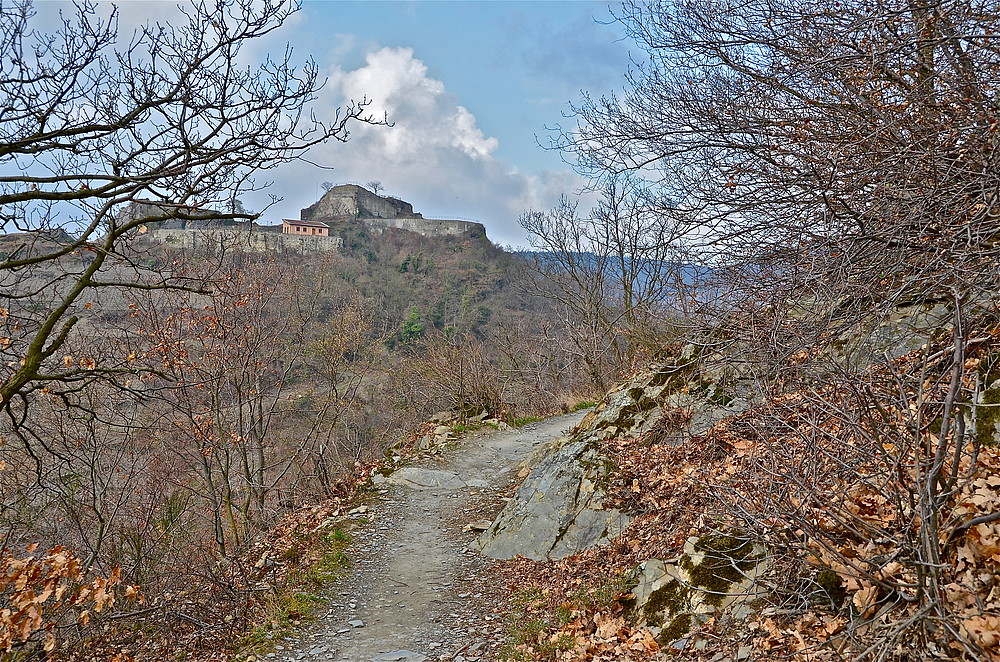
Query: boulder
[715, 572]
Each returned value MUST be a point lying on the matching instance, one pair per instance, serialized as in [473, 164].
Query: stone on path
[425, 479]
[401, 656]
[479, 525]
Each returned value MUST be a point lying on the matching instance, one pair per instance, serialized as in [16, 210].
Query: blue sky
[470, 86]
[514, 65]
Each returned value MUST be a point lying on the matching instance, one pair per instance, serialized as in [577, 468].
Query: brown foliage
[45, 591]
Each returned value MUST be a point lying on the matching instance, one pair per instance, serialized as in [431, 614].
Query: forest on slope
[185, 421]
[162, 409]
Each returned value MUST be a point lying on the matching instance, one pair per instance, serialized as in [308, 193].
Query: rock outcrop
[557, 511]
[350, 201]
[715, 572]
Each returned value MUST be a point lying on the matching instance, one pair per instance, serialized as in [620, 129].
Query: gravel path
[416, 592]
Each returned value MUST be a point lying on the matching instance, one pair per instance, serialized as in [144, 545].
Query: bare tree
[815, 151]
[617, 273]
[375, 186]
[102, 134]
[832, 162]
[877, 478]
[96, 122]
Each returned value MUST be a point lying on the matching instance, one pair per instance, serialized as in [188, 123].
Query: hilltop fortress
[350, 202]
[347, 203]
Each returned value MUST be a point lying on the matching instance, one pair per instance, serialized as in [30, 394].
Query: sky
[471, 88]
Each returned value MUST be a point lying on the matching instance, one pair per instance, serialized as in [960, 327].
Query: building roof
[311, 224]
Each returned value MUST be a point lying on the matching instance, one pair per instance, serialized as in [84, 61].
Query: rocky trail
[417, 592]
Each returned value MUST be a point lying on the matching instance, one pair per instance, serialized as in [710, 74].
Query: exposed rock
[425, 479]
[702, 394]
[898, 332]
[352, 201]
[715, 572]
[443, 417]
[479, 525]
[557, 510]
[401, 656]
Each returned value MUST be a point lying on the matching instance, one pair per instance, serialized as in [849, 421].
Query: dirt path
[417, 592]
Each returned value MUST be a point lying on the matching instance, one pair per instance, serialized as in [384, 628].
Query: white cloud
[434, 155]
[425, 118]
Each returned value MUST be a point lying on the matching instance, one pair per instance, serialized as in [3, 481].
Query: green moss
[671, 598]
[599, 469]
[673, 376]
[726, 561]
[678, 627]
[712, 392]
[829, 581]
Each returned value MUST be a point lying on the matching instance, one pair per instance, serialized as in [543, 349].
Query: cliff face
[350, 201]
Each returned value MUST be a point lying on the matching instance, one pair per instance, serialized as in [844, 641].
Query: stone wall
[266, 240]
[425, 226]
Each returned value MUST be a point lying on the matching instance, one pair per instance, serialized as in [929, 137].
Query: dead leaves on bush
[39, 591]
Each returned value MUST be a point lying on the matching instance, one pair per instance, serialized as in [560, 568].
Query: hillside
[774, 484]
[197, 393]
[719, 521]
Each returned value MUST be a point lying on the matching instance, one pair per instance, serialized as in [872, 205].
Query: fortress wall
[273, 240]
[260, 241]
[426, 227]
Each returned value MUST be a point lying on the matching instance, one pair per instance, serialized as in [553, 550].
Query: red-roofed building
[305, 228]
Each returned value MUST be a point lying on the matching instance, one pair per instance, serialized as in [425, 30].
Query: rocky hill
[342, 208]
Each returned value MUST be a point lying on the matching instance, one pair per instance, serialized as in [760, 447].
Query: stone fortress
[347, 203]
